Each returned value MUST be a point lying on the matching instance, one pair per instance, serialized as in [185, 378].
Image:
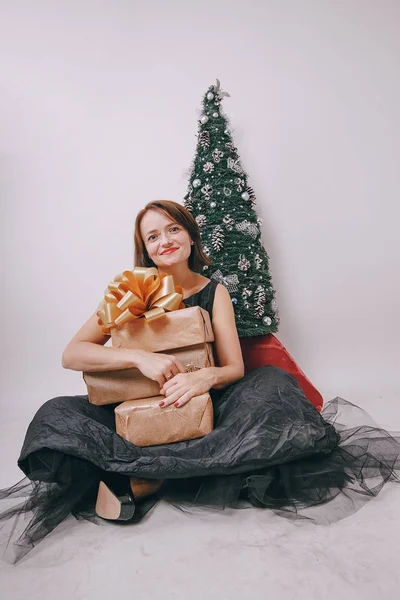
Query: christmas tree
[224, 206]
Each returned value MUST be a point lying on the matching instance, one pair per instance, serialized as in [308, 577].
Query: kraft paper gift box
[109, 387]
[177, 329]
[143, 423]
[143, 309]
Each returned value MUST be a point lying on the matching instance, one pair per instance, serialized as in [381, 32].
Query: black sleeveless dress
[270, 448]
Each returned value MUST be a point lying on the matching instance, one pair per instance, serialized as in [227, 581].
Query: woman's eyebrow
[167, 225]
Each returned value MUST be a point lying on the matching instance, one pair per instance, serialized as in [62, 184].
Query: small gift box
[110, 387]
[143, 423]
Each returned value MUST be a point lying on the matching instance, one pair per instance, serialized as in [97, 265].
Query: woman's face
[167, 243]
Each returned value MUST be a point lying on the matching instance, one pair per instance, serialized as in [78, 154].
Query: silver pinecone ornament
[259, 301]
[217, 238]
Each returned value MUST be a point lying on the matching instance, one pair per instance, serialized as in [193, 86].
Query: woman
[270, 447]
[166, 236]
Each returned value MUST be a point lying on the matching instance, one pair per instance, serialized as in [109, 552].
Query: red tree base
[264, 350]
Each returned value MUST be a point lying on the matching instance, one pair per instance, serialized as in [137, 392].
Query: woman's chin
[170, 260]
[168, 263]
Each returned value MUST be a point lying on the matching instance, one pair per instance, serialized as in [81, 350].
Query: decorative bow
[234, 164]
[249, 228]
[143, 292]
[229, 281]
[218, 90]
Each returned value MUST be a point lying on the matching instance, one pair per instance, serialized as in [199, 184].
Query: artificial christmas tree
[223, 204]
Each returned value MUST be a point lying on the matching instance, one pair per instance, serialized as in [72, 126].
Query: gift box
[142, 309]
[143, 423]
[110, 387]
[177, 329]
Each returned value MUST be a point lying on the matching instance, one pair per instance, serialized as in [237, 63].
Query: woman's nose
[165, 241]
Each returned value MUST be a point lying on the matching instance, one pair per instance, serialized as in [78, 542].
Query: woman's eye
[174, 229]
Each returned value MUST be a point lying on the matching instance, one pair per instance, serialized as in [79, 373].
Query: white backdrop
[98, 116]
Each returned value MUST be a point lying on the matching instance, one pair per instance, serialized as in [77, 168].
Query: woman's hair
[197, 259]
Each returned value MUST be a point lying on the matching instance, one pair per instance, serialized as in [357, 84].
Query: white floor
[230, 555]
[240, 554]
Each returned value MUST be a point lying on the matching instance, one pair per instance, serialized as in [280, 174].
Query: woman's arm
[86, 351]
[184, 386]
[226, 342]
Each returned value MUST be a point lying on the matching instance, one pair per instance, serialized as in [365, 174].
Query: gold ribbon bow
[143, 292]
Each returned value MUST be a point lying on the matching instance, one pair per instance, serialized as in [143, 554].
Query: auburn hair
[178, 213]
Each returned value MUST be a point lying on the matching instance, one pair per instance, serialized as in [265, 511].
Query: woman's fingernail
[161, 403]
[176, 404]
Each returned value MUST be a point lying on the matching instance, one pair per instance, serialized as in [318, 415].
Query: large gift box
[144, 423]
[109, 387]
[143, 309]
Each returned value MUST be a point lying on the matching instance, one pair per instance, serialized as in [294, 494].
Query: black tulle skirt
[270, 448]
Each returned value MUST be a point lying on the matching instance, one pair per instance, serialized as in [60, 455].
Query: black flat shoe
[115, 500]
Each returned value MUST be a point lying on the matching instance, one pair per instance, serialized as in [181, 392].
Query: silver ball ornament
[210, 96]
[204, 119]
[215, 115]
[246, 196]
[213, 204]
[196, 183]
[267, 321]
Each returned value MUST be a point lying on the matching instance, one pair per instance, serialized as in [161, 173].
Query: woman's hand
[159, 367]
[184, 386]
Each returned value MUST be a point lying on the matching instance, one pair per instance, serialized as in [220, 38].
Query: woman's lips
[169, 251]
